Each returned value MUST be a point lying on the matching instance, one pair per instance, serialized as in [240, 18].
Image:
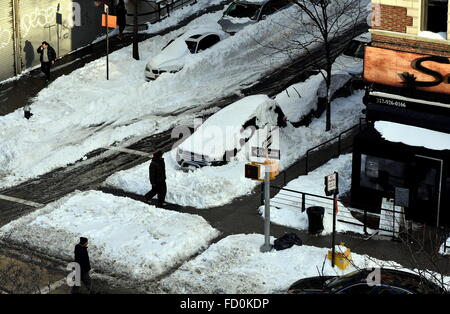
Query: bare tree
[317, 25]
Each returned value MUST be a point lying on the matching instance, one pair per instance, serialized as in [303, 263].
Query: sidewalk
[18, 92]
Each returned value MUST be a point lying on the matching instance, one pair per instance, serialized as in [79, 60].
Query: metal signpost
[267, 153]
[332, 188]
[108, 21]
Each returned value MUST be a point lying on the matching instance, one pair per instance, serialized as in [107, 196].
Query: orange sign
[112, 21]
[405, 69]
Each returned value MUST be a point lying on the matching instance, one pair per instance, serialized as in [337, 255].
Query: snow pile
[432, 35]
[215, 186]
[127, 238]
[204, 188]
[286, 206]
[236, 265]
[180, 14]
[413, 136]
[299, 99]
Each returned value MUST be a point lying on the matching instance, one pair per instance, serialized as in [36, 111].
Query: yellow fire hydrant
[342, 256]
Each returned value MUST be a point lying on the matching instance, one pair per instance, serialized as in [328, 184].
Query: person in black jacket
[121, 13]
[157, 172]
[82, 258]
[47, 58]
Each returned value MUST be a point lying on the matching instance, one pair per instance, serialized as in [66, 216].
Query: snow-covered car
[352, 58]
[241, 13]
[303, 101]
[226, 132]
[173, 56]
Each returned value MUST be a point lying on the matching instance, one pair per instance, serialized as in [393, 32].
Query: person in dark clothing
[82, 258]
[121, 13]
[157, 172]
[47, 58]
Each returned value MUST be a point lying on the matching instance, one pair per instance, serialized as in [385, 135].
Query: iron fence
[160, 10]
[338, 140]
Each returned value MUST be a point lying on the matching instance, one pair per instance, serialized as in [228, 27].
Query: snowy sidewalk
[127, 238]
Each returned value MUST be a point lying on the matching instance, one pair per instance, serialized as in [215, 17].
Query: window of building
[436, 16]
[382, 174]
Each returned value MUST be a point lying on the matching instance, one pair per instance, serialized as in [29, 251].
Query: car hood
[348, 64]
[309, 285]
[172, 56]
[222, 131]
[234, 24]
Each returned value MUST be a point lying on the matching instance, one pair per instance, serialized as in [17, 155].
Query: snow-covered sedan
[241, 13]
[173, 56]
[352, 59]
[226, 132]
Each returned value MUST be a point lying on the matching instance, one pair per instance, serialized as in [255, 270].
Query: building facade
[66, 24]
[407, 74]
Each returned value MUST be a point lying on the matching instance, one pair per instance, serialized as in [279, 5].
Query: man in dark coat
[48, 57]
[82, 258]
[121, 13]
[157, 172]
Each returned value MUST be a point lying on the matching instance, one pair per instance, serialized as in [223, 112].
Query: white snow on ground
[412, 135]
[216, 186]
[286, 205]
[82, 111]
[126, 237]
[180, 14]
[236, 265]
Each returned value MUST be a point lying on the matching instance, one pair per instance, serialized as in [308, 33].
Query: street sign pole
[333, 239]
[107, 42]
[267, 247]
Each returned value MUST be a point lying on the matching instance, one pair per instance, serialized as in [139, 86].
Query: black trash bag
[286, 241]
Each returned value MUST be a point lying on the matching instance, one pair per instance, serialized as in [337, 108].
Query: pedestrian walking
[157, 172]
[121, 13]
[82, 258]
[47, 58]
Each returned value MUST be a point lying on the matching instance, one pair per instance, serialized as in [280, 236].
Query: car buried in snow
[241, 13]
[352, 58]
[223, 135]
[381, 281]
[174, 55]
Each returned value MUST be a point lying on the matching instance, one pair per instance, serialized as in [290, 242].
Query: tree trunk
[135, 32]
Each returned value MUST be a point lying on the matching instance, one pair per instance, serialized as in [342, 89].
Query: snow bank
[286, 206]
[236, 265]
[180, 14]
[126, 237]
[413, 136]
[432, 35]
[215, 186]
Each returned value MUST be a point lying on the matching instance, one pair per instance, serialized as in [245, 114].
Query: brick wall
[410, 45]
[394, 19]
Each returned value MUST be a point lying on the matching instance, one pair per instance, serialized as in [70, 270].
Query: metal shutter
[38, 23]
[6, 41]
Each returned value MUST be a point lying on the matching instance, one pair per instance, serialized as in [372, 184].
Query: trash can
[315, 219]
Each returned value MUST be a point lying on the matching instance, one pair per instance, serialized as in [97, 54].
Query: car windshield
[355, 49]
[243, 10]
[337, 283]
[192, 45]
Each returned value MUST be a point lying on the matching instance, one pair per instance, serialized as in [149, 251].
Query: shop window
[382, 174]
[436, 16]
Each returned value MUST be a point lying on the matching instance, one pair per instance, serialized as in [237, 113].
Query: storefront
[416, 176]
